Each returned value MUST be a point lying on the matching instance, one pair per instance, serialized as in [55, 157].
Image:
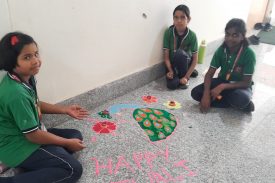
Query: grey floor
[224, 145]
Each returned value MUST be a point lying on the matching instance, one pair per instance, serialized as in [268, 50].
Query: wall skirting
[97, 96]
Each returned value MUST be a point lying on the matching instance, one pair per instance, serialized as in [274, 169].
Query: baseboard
[98, 96]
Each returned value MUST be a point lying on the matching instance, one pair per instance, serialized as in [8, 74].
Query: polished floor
[224, 145]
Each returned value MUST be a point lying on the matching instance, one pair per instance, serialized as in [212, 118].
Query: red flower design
[104, 127]
[149, 99]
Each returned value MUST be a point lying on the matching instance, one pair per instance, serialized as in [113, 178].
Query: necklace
[176, 36]
[229, 72]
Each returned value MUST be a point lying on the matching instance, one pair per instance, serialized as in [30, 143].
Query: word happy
[138, 159]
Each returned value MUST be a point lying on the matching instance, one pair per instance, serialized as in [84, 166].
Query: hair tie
[14, 40]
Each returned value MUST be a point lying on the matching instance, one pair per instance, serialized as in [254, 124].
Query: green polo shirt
[18, 116]
[189, 42]
[244, 66]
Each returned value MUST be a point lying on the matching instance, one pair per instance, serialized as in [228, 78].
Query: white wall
[209, 17]
[5, 22]
[89, 43]
[273, 11]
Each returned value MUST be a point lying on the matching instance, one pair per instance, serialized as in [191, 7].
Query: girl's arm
[206, 97]
[192, 66]
[74, 111]
[168, 65]
[43, 137]
[207, 80]
[47, 108]
[167, 60]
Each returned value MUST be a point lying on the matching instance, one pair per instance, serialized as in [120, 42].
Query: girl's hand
[183, 81]
[74, 145]
[216, 91]
[76, 111]
[205, 103]
[170, 75]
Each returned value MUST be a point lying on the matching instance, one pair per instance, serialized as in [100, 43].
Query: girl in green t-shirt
[237, 62]
[180, 50]
[44, 154]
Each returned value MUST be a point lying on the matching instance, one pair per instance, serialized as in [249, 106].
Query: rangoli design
[158, 124]
[149, 99]
[105, 114]
[104, 127]
[172, 104]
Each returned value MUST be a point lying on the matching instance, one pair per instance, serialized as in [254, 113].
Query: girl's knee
[173, 84]
[77, 134]
[75, 171]
[78, 170]
[181, 55]
[238, 100]
[196, 93]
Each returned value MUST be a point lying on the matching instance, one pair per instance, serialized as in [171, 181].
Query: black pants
[50, 163]
[180, 66]
[238, 98]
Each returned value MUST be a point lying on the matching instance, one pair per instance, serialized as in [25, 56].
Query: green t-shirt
[18, 116]
[244, 66]
[189, 42]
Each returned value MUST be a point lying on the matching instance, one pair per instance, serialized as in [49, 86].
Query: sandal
[258, 26]
[267, 27]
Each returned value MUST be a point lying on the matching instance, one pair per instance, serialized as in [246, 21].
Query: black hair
[11, 46]
[184, 9]
[239, 26]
